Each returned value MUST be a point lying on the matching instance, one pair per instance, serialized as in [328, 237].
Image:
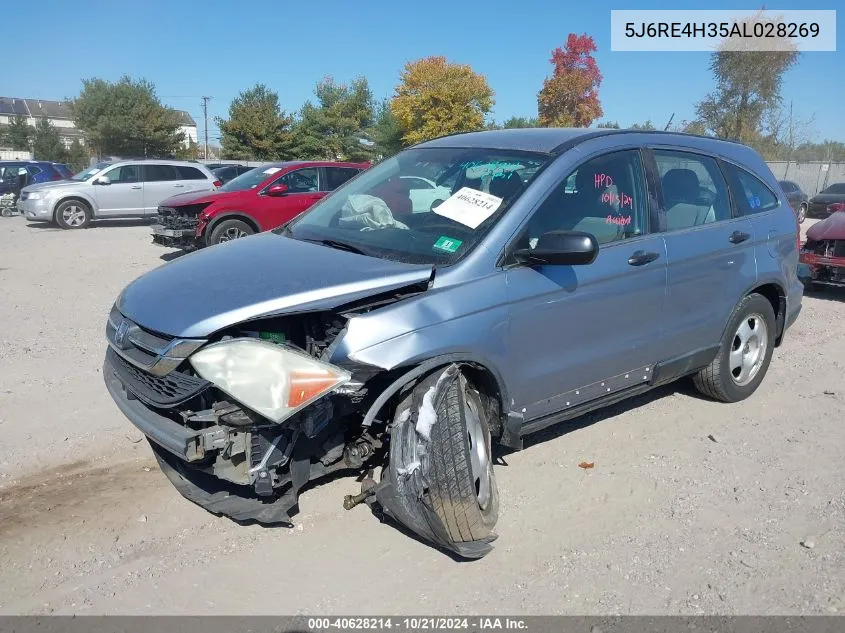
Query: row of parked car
[195, 205]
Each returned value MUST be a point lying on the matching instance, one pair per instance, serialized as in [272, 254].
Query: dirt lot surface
[692, 507]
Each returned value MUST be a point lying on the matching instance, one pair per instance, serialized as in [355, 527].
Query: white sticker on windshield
[468, 206]
[272, 170]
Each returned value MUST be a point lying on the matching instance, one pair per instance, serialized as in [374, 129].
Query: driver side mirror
[102, 180]
[562, 248]
[277, 190]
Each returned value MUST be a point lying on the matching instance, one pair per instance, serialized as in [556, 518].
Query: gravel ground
[692, 507]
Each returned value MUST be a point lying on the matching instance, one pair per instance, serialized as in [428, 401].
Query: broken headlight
[273, 380]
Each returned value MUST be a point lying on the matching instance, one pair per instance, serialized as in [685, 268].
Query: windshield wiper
[343, 246]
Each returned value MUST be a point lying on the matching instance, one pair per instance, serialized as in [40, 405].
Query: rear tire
[744, 353]
[228, 230]
[73, 214]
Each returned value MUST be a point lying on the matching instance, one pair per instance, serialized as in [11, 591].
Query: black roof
[556, 140]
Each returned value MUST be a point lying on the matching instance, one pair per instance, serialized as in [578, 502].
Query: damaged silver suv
[461, 294]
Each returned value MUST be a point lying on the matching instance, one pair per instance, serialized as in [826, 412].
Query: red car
[258, 200]
[822, 257]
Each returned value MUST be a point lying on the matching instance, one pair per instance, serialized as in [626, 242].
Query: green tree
[125, 118]
[386, 131]
[46, 142]
[520, 122]
[748, 83]
[646, 125]
[188, 152]
[257, 127]
[17, 134]
[436, 97]
[338, 126]
[77, 156]
[609, 125]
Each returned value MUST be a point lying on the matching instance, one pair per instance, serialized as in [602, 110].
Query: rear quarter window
[752, 194]
[190, 173]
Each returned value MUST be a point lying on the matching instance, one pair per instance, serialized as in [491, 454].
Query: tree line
[434, 97]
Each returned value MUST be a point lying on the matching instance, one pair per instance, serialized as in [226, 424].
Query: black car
[827, 201]
[225, 173]
[797, 198]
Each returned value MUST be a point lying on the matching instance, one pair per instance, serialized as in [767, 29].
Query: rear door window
[694, 191]
[336, 176]
[752, 194]
[160, 173]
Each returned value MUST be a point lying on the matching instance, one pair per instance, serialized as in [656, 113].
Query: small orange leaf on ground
[586, 465]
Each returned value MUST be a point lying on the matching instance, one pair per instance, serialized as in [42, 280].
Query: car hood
[831, 228]
[261, 275]
[54, 184]
[197, 197]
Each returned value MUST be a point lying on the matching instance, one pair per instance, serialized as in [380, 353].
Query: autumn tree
[126, 118]
[257, 127]
[748, 83]
[569, 98]
[436, 97]
[17, 134]
[337, 126]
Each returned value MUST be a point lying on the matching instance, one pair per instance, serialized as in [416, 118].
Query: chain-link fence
[811, 177]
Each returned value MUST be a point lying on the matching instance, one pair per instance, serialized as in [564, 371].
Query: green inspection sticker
[448, 244]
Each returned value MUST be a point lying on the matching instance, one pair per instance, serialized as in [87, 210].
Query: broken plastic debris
[410, 468]
[586, 465]
[403, 417]
[427, 414]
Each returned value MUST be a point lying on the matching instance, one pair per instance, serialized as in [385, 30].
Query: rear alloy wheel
[229, 230]
[73, 214]
[744, 354]
[802, 213]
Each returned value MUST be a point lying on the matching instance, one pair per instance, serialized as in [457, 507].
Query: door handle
[738, 237]
[178, 185]
[640, 258]
[135, 187]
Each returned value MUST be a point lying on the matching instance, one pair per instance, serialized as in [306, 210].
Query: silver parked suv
[123, 189]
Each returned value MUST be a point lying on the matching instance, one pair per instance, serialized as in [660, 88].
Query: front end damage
[178, 227]
[236, 462]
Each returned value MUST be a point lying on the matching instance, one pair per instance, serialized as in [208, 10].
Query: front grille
[158, 391]
[182, 218]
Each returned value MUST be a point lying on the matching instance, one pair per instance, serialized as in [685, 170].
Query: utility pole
[205, 116]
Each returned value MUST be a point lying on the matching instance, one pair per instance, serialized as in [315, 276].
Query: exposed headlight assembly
[273, 380]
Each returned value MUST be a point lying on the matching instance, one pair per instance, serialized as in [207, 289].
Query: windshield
[250, 179]
[86, 174]
[426, 206]
[837, 188]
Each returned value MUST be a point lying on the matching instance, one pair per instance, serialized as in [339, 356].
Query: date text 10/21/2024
[418, 623]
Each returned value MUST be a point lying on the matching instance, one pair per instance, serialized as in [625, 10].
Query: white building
[58, 113]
